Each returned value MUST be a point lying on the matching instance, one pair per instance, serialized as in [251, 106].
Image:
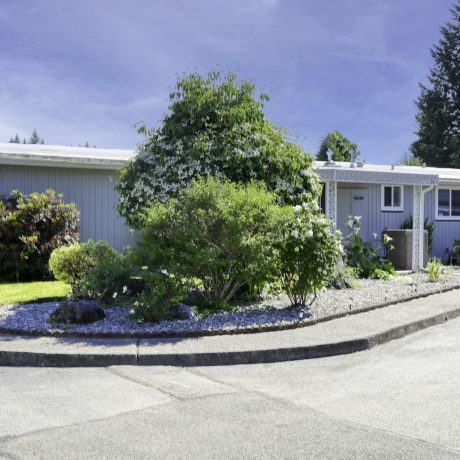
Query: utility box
[401, 255]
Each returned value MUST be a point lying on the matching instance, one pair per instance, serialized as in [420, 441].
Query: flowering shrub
[219, 234]
[31, 227]
[361, 256]
[309, 252]
[215, 127]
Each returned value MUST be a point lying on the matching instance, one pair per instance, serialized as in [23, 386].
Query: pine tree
[438, 142]
[15, 140]
[35, 138]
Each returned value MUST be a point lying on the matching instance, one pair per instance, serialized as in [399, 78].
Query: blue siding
[445, 232]
[376, 221]
[92, 190]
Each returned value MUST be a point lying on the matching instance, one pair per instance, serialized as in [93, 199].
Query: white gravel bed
[271, 312]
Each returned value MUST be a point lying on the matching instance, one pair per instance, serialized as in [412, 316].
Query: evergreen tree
[341, 147]
[35, 138]
[438, 142]
[15, 140]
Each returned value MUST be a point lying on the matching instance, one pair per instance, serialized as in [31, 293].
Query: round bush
[215, 127]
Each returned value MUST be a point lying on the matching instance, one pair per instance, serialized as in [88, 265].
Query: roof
[374, 173]
[82, 157]
[63, 156]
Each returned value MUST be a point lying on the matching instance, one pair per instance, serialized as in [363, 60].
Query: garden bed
[270, 313]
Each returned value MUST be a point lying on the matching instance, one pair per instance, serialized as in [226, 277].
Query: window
[392, 198]
[448, 203]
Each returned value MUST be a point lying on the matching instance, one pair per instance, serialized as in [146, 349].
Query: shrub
[110, 277]
[309, 252]
[163, 290]
[92, 269]
[361, 256]
[434, 269]
[31, 227]
[215, 127]
[218, 234]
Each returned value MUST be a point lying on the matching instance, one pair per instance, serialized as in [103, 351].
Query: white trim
[382, 198]
[436, 204]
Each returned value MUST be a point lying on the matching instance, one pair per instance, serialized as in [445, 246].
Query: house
[383, 195]
[85, 176]
[386, 195]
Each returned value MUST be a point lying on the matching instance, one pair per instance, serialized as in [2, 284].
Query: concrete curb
[59, 359]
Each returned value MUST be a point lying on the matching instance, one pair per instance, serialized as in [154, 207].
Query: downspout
[422, 225]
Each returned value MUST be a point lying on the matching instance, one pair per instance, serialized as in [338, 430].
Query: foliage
[218, 233]
[215, 127]
[34, 139]
[428, 225]
[409, 159]
[434, 269]
[361, 256]
[31, 227]
[163, 290]
[110, 277]
[92, 269]
[438, 142]
[38, 291]
[309, 252]
[342, 148]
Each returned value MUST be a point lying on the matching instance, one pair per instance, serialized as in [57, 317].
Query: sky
[89, 70]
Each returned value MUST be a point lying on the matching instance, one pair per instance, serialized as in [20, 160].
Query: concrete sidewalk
[340, 336]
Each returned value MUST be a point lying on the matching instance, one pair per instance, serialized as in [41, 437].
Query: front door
[352, 202]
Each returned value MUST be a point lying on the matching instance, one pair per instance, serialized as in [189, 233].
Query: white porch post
[417, 229]
[331, 201]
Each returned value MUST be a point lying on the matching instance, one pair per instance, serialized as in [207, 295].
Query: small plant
[434, 269]
[365, 259]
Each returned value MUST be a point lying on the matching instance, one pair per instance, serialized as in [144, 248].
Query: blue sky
[89, 70]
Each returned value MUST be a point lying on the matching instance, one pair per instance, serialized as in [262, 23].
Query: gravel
[272, 312]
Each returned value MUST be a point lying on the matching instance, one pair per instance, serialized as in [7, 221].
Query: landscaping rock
[77, 313]
[186, 312]
[340, 283]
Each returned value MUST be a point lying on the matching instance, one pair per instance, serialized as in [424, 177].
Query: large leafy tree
[215, 127]
[438, 142]
[341, 147]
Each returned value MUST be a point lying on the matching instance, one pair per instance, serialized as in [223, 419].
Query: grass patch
[39, 291]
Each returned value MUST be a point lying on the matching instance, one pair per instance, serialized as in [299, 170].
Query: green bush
[215, 127]
[365, 259]
[110, 277]
[92, 269]
[218, 234]
[309, 252]
[162, 290]
[31, 227]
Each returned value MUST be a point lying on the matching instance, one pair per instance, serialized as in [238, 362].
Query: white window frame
[382, 196]
[450, 216]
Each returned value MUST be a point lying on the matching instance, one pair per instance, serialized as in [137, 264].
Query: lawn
[11, 293]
